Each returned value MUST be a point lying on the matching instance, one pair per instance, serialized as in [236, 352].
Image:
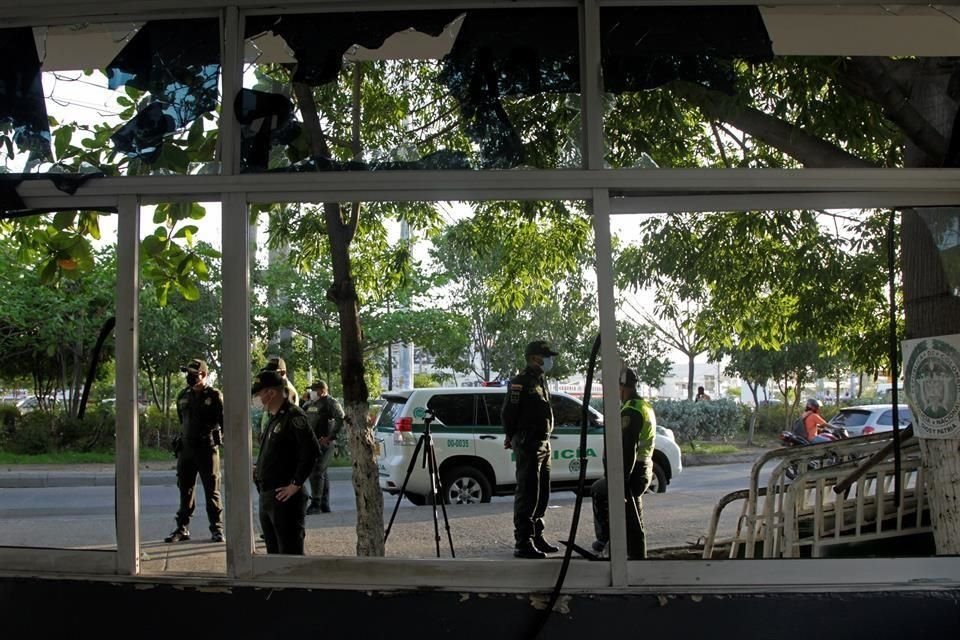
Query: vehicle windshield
[390, 412]
[851, 418]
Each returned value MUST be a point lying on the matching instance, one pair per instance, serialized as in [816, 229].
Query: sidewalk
[39, 476]
[98, 475]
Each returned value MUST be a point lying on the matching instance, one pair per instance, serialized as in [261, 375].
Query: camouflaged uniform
[325, 416]
[528, 421]
[201, 421]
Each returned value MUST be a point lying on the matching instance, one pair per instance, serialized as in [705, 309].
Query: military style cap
[319, 384]
[628, 377]
[266, 379]
[195, 366]
[539, 348]
[275, 363]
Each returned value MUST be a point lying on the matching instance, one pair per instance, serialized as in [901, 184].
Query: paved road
[83, 517]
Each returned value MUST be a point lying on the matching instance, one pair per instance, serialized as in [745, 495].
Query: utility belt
[212, 439]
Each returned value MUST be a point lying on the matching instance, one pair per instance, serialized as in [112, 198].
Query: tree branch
[809, 150]
[719, 141]
[874, 79]
[311, 120]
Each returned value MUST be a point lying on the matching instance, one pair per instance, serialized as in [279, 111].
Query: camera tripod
[425, 443]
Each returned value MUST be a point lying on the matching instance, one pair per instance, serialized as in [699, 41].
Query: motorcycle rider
[813, 422]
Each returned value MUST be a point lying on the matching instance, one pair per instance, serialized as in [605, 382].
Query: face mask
[192, 379]
[547, 363]
[257, 403]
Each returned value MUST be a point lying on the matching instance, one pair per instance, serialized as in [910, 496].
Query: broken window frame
[663, 190]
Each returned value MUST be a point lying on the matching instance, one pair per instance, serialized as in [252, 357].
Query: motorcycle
[829, 432]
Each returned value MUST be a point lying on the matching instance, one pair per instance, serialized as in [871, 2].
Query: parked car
[28, 404]
[870, 418]
[468, 441]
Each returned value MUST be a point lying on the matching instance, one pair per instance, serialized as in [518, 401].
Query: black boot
[179, 534]
[542, 545]
[526, 549]
[313, 508]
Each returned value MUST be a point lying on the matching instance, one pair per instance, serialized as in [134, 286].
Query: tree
[48, 328]
[486, 262]
[907, 99]
[173, 333]
[755, 365]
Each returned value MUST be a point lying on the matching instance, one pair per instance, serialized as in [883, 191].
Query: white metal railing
[781, 518]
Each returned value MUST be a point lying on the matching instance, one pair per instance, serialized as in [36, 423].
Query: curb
[49, 479]
[701, 459]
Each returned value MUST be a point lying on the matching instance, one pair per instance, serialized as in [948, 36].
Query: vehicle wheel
[415, 498]
[658, 484]
[465, 485]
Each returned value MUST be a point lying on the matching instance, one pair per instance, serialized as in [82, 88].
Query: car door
[565, 441]
[489, 438]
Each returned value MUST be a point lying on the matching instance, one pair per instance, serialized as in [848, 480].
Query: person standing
[200, 412]
[638, 425]
[276, 363]
[325, 416]
[527, 419]
[701, 395]
[288, 452]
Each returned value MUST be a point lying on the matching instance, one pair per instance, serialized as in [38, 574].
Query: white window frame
[606, 193]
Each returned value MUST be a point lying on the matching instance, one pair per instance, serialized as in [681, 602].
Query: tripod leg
[406, 478]
[443, 506]
[430, 461]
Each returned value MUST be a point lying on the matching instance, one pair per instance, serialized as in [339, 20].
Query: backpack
[799, 429]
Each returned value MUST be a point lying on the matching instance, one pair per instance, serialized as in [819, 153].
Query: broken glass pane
[22, 109]
[178, 64]
[423, 89]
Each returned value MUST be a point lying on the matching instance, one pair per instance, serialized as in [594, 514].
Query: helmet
[813, 403]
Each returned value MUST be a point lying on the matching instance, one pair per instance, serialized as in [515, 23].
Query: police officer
[325, 416]
[638, 429]
[527, 419]
[200, 411]
[288, 452]
[276, 363]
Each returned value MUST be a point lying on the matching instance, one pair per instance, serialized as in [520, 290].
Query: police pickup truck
[468, 441]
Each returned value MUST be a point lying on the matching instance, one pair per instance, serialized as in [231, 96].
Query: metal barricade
[787, 518]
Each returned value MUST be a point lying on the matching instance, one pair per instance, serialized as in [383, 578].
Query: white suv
[468, 440]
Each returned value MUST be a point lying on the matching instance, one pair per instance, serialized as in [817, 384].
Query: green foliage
[424, 380]
[177, 330]
[9, 414]
[49, 330]
[691, 421]
[40, 432]
[33, 434]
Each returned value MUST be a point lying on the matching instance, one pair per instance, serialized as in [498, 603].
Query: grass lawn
[147, 454]
[708, 448]
[78, 457]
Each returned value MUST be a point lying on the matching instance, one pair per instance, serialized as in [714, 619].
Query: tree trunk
[690, 357]
[932, 310]
[366, 478]
[756, 407]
